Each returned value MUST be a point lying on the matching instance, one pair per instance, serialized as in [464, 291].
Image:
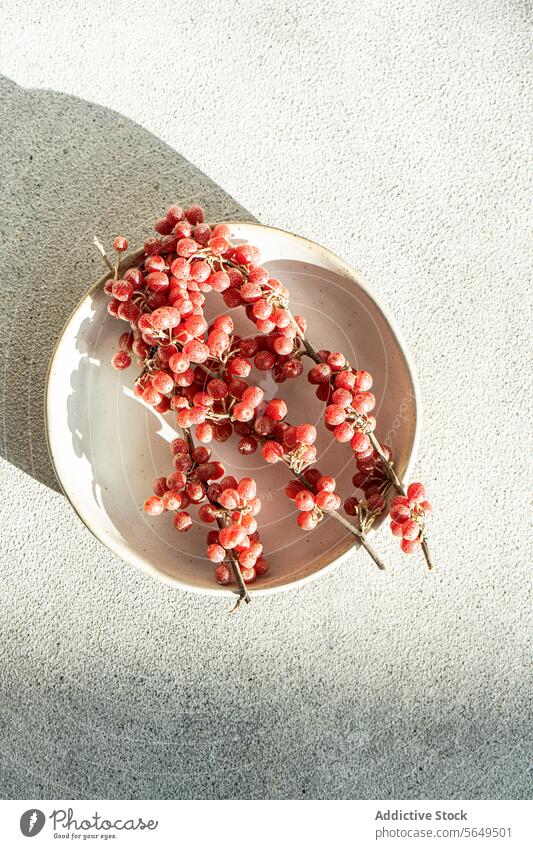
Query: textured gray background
[394, 133]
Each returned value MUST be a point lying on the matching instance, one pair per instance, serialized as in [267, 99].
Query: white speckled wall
[393, 133]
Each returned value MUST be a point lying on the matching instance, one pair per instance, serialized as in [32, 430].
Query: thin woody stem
[101, 248]
[244, 595]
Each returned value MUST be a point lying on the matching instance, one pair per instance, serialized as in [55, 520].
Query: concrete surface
[394, 133]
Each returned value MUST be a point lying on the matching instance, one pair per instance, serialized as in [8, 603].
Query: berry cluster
[408, 517]
[200, 371]
[314, 495]
[189, 483]
[235, 504]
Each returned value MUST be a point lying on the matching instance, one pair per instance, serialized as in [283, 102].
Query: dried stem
[101, 248]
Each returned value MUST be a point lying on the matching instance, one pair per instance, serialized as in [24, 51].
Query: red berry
[247, 488]
[160, 486]
[216, 553]
[152, 246]
[195, 214]
[120, 244]
[207, 513]
[343, 432]
[222, 431]
[204, 432]
[351, 505]
[246, 254]
[261, 567]
[293, 488]
[162, 381]
[253, 396]
[375, 502]
[307, 521]
[321, 373]
[232, 536]
[174, 214]
[276, 410]
[272, 452]
[182, 521]
[218, 342]
[163, 406]
[264, 360]
[163, 226]
[336, 360]
[196, 351]
[292, 368]
[121, 360]
[122, 290]
[326, 483]
[129, 312]
[360, 442]
[229, 498]
[363, 402]
[335, 414]
[396, 528]
[172, 499]
[155, 263]
[219, 245]
[400, 499]
[416, 492]
[157, 281]
[363, 381]
[400, 513]
[342, 397]
[306, 433]
[408, 546]
[410, 530]
[345, 380]
[243, 412]
[247, 445]
[135, 276]
[154, 506]
[223, 574]
[327, 501]
[186, 247]
[304, 500]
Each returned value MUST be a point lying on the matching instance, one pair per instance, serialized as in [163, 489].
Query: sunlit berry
[154, 506]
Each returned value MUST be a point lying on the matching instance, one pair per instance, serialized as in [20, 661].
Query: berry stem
[427, 554]
[101, 248]
[313, 354]
[244, 595]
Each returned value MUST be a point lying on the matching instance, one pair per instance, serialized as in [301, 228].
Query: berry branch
[244, 595]
[313, 354]
[199, 371]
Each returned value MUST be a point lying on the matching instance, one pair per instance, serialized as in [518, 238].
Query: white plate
[107, 446]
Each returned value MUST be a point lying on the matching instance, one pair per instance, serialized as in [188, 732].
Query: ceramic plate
[107, 446]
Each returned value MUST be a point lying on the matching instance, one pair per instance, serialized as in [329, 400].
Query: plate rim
[144, 565]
